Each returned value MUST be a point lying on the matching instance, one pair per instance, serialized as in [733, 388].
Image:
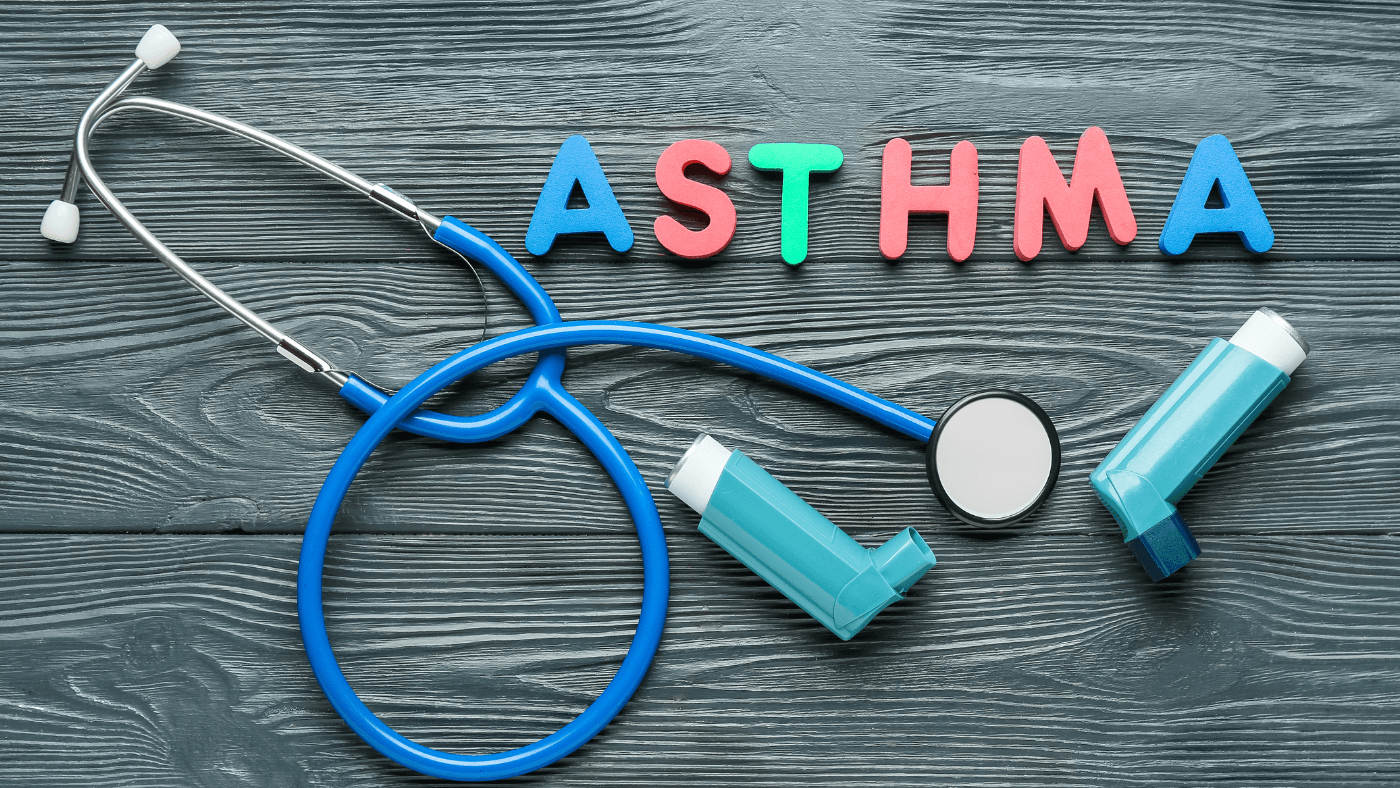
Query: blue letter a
[1215, 162]
[575, 163]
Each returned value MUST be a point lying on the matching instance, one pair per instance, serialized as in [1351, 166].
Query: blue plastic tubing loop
[542, 391]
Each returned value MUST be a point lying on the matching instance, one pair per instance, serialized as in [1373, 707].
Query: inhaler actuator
[1185, 432]
[773, 532]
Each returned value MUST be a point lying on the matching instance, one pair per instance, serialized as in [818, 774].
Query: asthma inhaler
[791, 545]
[1187, 430]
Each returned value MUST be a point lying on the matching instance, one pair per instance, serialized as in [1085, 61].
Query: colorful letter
[1041, 186]
[899, 198]
[1215, 162]
[671, 180]
[797, 161]
[575, 163]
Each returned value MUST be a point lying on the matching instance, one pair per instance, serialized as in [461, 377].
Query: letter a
[1215, 162]
[575, 163]
[1041, 186]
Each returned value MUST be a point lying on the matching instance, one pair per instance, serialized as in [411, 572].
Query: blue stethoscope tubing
[544, 392]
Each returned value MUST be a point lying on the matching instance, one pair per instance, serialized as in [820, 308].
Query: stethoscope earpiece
[993, 458]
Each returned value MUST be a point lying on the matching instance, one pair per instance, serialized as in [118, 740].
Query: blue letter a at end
[575, 163]
[1215, 162]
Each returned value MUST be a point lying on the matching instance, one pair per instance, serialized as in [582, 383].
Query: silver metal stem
[245, 131]
[69, 194]
[160, 250]
[121, 83]
[106, 105]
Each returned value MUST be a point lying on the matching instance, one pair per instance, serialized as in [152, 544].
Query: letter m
[1041, 187]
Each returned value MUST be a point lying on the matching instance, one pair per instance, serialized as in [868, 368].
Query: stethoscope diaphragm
[993, 458]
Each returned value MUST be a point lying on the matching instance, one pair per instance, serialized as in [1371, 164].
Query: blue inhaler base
[1165, 547]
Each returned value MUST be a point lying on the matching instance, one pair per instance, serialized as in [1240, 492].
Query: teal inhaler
[773, 532]
[1185, 432]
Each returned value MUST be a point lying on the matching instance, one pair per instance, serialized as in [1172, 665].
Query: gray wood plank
[464, 105]
[137, 406]
[1040, 660]
[479, 597]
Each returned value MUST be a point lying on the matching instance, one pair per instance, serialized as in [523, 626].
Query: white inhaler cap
[1271, 338]
[697, 472]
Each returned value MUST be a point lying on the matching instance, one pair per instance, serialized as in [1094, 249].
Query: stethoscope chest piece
[993, 458]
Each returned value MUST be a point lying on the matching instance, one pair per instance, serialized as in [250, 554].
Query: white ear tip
[60, 222]
[157, 47]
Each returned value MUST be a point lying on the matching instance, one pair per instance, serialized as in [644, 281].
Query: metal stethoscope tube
[108, 104]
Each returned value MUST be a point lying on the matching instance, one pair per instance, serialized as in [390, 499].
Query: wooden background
[157, 460]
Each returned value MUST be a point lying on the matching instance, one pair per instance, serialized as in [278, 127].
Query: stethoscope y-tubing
[575, 333]
[552, 334]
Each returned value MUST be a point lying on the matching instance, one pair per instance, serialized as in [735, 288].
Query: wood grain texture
[157, 460]
[463, 105]
[140, 407]
[1040, 660]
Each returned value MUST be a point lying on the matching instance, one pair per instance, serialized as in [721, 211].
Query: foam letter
[671, 180]
[575, 163]
[899, 198]
[1041, 186]
[1215, 162]
[797, 161]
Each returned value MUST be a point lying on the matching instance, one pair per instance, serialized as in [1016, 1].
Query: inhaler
[1187, 430]
[779, 536]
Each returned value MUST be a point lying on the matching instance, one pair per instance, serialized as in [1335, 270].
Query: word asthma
[1040, 188]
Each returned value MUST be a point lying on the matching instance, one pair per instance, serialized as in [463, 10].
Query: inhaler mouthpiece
[60, 222]
[773, 532]
[1185, 432]
[157, 47]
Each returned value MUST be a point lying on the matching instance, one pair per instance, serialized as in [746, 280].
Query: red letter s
[671, 180]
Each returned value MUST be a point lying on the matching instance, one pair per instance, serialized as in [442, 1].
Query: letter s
[671, 180]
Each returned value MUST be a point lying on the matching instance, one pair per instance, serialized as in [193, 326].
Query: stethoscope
[954, 443]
